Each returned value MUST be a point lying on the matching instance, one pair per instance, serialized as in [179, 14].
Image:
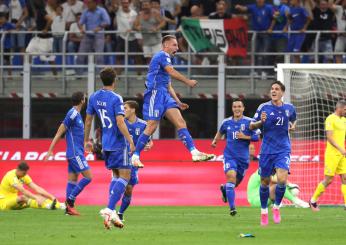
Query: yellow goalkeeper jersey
[9, 180]
[338, 126]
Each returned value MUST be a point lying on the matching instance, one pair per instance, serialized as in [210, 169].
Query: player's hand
[88, 146]
[97, 29]
[49, 154]
[240, 135]
[132, 148]
[149, 145]
[192, 83]
[263, 116]
[270, 30]
[213, 143]
[343, 152]
[292, 127]
[183, 106]
[40, 200]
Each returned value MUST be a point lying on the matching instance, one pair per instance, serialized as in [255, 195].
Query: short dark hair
[108, 76]
[341, 103]
[133, 105]
[155, 1]
[23, 166]
[238, 100]
[167, 38]
[282, 86]
[77, 97]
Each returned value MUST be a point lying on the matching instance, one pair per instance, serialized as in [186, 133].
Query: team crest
[287, 113]
[242, 127]
[138, 131]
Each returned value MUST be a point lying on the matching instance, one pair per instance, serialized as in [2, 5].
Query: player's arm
[161, 21]
[180, 77]
[217, 138]
[28, 193]
[87, 127]
[57, 137]
[39, 190]
[331, 140]
[241, 8]
[258, 124]
[308, 20]
[292, 126]
[182, 106]
[124, 130]
[254, 135]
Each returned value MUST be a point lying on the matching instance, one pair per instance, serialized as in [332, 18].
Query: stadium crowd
[141, 22]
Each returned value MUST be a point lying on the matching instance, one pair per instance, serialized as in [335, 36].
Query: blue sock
[264, 195]
[279, 193]
[114, 179]
[78, 188]
[186, 138]
[125, 203]
[141, 142]
[69, 187]
[117, 192]
[230, 194]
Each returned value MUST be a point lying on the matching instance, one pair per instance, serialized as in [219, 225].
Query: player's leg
[330, 166]
[341, 170]
[14, 202]
[231, 176]
[125, 201]
[174, 115]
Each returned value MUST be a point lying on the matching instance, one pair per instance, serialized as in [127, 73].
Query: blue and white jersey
[298, 16]
[74, 134]
[107, 105]
[157, 77]
[238, 148]
[136, 128]
[276, 137]
[261, 16]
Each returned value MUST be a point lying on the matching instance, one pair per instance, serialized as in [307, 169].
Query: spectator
[220, 11]
[58, 29]
[261, 16]
[74, 39]
[5, 27]
[207, 6]
[298, 20]
[166, 15]
[279, 40]
[252, 152]
[112, 6]
[150, 22]
[71, 8]
[309, 5]
[43, 42]
[323, 20]
[174, 8]
[51, 6]
[125, 20]
[3, 7]
[95, 20]
[18, 12]
[340, 45]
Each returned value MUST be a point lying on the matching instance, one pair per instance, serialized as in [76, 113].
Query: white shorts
[340, 45]
[41, 45]
[149, 51]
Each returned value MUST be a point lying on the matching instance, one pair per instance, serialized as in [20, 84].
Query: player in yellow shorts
[12, 184]
[335, 154]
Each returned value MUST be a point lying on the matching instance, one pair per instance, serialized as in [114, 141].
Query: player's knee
[128, 191]
[265, 181]
[181, 123]
[151, 127]
[22, 199]
[328, 181]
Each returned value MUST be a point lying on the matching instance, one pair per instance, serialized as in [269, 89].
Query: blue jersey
[157, 77]
[281, 21]
[298, 16]
[261, 16]
[276, 137]
[136, 128]
[238, 148]
[108, 105]
[74, 133]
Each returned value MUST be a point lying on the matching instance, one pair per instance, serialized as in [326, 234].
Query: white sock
[194, 152]
[264, 210]
[276, 206]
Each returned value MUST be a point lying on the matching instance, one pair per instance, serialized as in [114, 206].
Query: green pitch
[173, 225]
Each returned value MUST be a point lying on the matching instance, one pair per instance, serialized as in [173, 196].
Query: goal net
[314, 90]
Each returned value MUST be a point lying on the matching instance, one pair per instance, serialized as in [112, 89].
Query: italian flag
[228, 36]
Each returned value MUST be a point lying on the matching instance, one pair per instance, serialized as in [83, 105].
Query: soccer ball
[294, 189]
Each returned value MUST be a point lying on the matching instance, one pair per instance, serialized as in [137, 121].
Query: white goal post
[314, 90]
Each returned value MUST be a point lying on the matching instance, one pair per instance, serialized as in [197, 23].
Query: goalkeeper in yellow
[335, 154]
[12, 184]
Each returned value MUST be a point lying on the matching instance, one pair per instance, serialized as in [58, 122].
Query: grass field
[174, 225]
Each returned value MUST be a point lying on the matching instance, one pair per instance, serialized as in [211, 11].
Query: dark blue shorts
[295, 42]
[156, 103]
[77, 164]
[240, 166]
[118, 159]
[269, 162]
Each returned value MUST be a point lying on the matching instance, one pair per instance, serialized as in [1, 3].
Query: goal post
[314, 90]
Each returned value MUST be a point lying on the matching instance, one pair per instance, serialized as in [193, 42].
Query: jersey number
[104, 118]
[234, 134]
[280, 121]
